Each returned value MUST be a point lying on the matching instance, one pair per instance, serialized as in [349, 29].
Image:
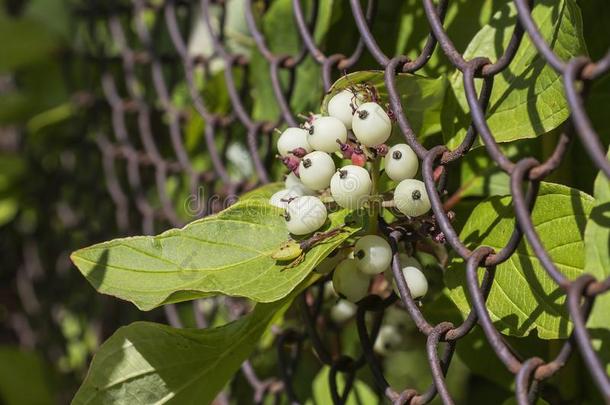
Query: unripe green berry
[330, 262]
[373, 254]
[349, 282]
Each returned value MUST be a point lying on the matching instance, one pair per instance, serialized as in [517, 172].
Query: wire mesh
[142, 60]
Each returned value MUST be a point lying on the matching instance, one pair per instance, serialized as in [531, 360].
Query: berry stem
[374, 209]
[327, 199]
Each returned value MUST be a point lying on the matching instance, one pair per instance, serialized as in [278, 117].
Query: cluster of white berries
[372, 255]
[356, 129]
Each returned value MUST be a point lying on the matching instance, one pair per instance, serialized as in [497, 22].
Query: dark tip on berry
[396, 154]
[288, 200]
[306, 163]
[359, 254]
[362, 114]
[416, 195]
[310, 130]
[342, 173]
[286, 216]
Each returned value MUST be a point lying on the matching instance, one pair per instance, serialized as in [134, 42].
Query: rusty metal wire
[135, 108]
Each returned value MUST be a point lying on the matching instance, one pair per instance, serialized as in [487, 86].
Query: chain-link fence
[132, 150]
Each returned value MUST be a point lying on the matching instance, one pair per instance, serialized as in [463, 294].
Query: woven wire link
[147, 167]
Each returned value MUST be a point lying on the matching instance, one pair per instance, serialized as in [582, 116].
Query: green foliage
[462, 21]
[229, 253]
[160, 364]
[361, 394]
[12, 169]
[523, 297]
[282, 38]
[480, 176]
[35, 43]
[527, 98]
[262, 193]
[479, 357]
[597, 263]
[421, 97]
[24, 378]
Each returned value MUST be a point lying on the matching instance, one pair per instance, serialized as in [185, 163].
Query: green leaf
[523, 297]
[8, 209]
[597, 263]
[264, 106]
[595, 15]
[527, 98]
[462, 21]
[160, 364]
[52, 116]
[421, 97]
[24, 378]
[25, 40]
[53, 14]
[282, 37]
[481, 176]
[41, 87]
[480, 358]
[228, 253]
[262, 193]
[361, 394]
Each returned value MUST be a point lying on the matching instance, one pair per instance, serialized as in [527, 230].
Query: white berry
[373, 254]
[401, 162]
[388, 339]
[292, 182]
[281, 198]
[340, 106]
[342, 311]
[291, 139]
[371, 124]
[411, 198]
[416, 281]
[304, 215]
[388, 274]
[316, 170]
[349, 282]
[324, 133]
[329, 292]
[350, 186]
